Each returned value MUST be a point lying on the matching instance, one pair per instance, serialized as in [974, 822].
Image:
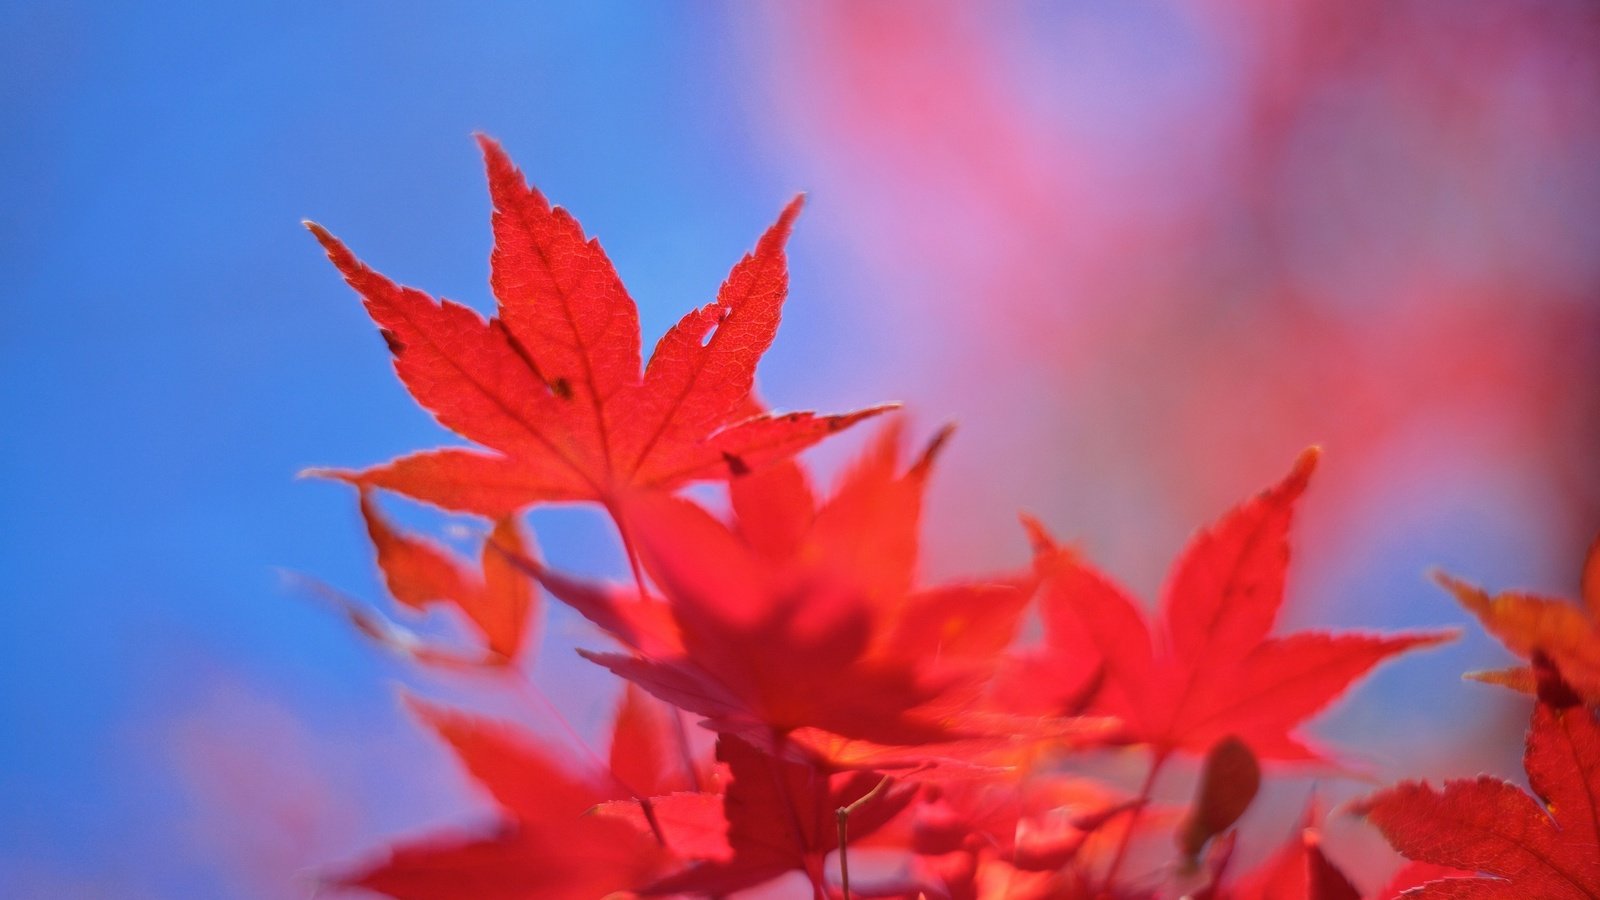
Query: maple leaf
[805, 616]
[497, 597]
[781, 817]
[499, 602]
[547, 845]
[1566, 634]
[1205, 669]
[1546, 845]
[552, 386]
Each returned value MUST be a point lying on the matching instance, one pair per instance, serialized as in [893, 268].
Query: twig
[1143, 800]
[842, 816]
[680, 731]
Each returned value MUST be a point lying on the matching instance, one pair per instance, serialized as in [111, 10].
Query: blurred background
[1142, 254]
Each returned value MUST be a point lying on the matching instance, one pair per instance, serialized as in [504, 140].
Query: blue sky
[174, 348]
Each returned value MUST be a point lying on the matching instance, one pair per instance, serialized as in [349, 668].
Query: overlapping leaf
[806, 616]
[781, 818]
[552, 386]
[1566, 634]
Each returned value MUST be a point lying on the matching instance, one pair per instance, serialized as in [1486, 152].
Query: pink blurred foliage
[1224, 230]
[1144, 251]
[270, 799]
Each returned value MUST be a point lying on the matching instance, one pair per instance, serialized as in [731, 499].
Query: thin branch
[1158, 760]
[680, 731]
[842, 817]
[531, 691]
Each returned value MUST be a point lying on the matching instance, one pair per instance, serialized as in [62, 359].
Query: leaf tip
[1039, 536]
[792, 209]
[1304, 465]
[488, 145]
[931, 452]
[316, 229]
[1471, 597]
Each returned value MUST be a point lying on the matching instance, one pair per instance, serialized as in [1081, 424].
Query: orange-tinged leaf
[1566, 634]
[506, 603]
[554, 383]
[1546, 845]
[499, 602]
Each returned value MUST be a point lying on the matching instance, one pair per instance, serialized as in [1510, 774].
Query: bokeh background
[1141, 253]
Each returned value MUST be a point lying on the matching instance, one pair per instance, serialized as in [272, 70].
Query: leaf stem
[1157, 761]
[842, 816]
[530, 690]
[776, 763]
[630, 550]
[680, 731]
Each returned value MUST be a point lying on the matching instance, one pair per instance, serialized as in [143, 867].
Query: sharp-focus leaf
[1546, 845]
[552, 385]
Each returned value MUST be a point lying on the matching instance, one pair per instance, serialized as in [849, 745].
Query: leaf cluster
[795, 696]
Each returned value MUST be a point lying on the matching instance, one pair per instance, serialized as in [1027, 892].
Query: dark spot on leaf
[1552, 690]
[396, 346]
[561, 388]
[736, 466]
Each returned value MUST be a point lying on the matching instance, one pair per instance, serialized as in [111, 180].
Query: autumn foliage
[798, 707]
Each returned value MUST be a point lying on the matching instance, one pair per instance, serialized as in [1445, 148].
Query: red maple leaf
[546, 844]
[552, 385]
[805, 615]
[1566, 634]
[1205, 668]
[1546, 845]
